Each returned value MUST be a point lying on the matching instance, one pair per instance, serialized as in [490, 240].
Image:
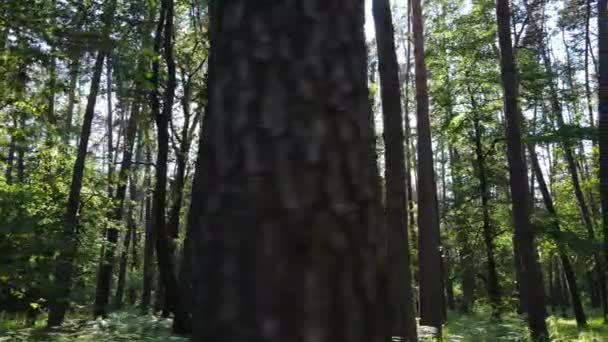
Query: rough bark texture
[286, 245]
[531, 287]
[401, 312]
[429, 246]
[603, 116]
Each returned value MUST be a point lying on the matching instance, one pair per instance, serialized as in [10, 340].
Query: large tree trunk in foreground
[287, 246]
[402, 317]
[431, 279]
[532, 293]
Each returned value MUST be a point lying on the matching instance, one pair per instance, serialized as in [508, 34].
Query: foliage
[120, 326]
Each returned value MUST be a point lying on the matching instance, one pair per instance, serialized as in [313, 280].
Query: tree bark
[429, 245]
[403, 320]
[287, 245]
[530, 277]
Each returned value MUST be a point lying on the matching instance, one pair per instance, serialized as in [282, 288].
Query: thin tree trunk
[104, 277]
[132, 222]
[10, 158]
[74, 70]
[149, 239]
[586, 70]
[164, 255]
[110, 126]
[602, 19]
[556, 108]
[488, 230]
[403, 321]
[569, 274]
[465, 252]
[530, 277]
[429, 256]
[64, 266]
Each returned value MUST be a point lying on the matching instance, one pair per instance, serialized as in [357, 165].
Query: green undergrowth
[130, 326]
[121, 326]
[479, 327]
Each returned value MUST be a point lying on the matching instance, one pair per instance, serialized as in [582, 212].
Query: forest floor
[129, 326]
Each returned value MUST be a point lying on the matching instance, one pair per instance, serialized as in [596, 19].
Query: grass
[130, 326]
[122, 326]
[479, 327]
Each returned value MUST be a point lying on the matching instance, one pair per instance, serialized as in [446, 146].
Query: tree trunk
[488, 231]
[602, 19]
[569, 274]
[429, 246]
[403, 320]
[109, 127]
[131, 220]
[586, 216]
[104, 277]
[149, 239]
[74, 69]
[164, 255]
[64, 266]
[10, 158]
[287, 246]
[530, 277]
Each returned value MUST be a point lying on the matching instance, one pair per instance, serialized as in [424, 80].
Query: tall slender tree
[64, 268]
[403, 320]
[602, 20]
[532, 296]
[429, 248]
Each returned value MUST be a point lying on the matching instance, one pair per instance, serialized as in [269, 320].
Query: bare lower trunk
[429, 256]
[530, 277]
[403, 322]
[288, 249]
